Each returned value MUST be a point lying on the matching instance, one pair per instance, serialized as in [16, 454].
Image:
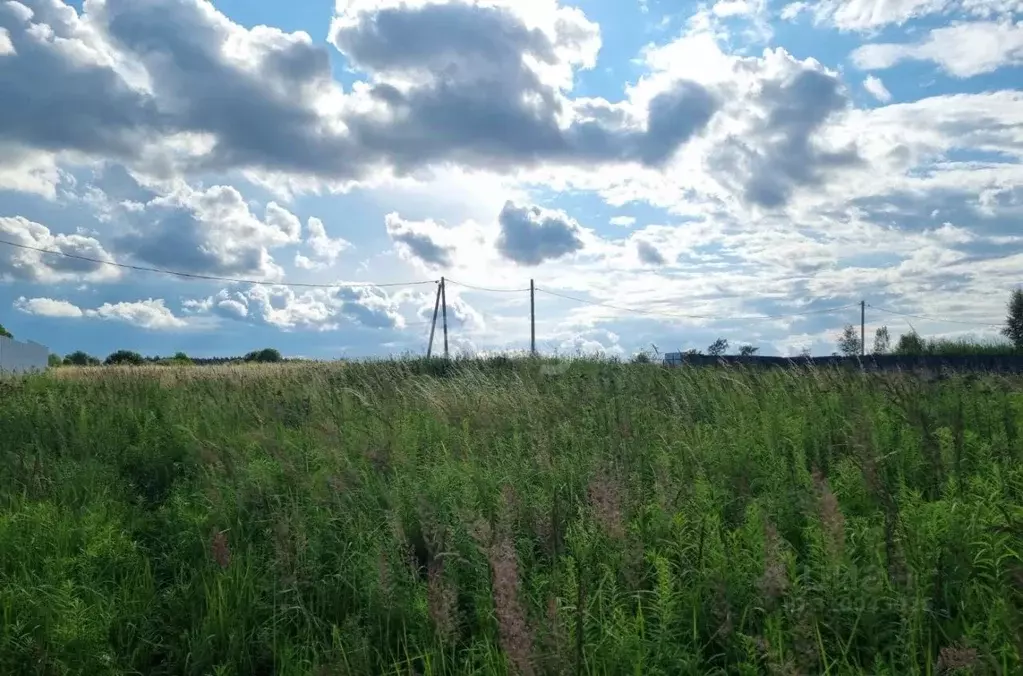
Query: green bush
[124, 357]
[265, 356]
[79, 358]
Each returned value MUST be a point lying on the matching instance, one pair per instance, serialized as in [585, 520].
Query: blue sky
[741, 168]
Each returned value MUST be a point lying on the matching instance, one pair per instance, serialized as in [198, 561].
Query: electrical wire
[692, 316]
[216, 278]
[931, 319]
[484, 288]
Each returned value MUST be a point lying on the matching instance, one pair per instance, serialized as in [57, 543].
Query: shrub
[266, 356]
[79, 358]
[124, 357]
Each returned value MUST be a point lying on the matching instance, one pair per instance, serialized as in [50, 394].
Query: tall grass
[509, 517]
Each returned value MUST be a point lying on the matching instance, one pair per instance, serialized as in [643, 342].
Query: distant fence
[18, 357]
[887, 362]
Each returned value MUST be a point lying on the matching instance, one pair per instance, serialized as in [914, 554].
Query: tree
[80, 358]
[181, 358]
[910, 344]
[125, 357]
[849, 343]
[882, 341]
[747, 350]
[54, 360]
[5, 333]
[718, 347]
[1014, 321]
[265, 356]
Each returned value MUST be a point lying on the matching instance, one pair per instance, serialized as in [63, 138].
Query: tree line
[910, 344]
[849, 344]
[130, 358]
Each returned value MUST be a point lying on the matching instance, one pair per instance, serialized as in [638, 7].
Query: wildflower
[830, 514]
[774, 581]
[220, 549]
[953, 658]
[606, 503]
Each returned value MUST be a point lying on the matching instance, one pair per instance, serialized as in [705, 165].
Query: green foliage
[54, 360]
[180, 358]
[124, 357]
[849, 343]
[882, 341]
[1014, 321]
[5, 333]
[911, 344]
[79, 358]
[266, 356]
[487, 517]
[748, 350]
[718, 347]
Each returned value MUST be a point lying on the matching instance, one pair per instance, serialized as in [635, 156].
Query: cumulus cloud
[174, 86]
[325, 249]
[623, 221]
[209, 231]
[47, 307]
[146, 314]
[316, 309]
[875, 87]
[649, 254]
[426, 241]
[151, 313]
[530, 235]
[961, 50]
[778, 150]
[29, 265]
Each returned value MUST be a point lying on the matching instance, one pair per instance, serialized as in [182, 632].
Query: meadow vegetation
[509, 516]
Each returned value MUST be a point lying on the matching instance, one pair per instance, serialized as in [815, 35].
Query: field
[415, 517]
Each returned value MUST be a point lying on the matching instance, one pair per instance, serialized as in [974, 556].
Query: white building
[18, 357]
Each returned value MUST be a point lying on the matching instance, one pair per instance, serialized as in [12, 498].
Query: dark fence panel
[1002, 363]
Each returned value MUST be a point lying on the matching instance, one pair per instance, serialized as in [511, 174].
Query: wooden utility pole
[532, 318]
[863, 328]
[433, 325]
[444, 306]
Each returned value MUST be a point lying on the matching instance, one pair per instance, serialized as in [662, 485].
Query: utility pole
[444, 305]
[532, 318]
[863, 328]
[433, 325]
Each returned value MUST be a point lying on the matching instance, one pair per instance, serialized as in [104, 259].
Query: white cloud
[865, 15]
[151, 313]
[147, 314]
[31, 265]
[875, 87]
[6, 46]
[320, 309]
[962, 50]
[729, 8]
[209, 231]
[47, 307]
[623, 221]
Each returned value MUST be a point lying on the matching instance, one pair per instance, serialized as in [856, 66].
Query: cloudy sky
[666, 172]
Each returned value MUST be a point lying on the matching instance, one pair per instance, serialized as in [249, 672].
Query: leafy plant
[124, 357]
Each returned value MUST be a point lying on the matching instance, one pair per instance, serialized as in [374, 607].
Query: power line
[931, 319]
[215, 278]
[690, 316]
[484, 288]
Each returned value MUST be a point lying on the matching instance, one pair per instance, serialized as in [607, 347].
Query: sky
[666, 173]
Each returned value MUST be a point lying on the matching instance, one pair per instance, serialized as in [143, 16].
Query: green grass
[509, 516]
